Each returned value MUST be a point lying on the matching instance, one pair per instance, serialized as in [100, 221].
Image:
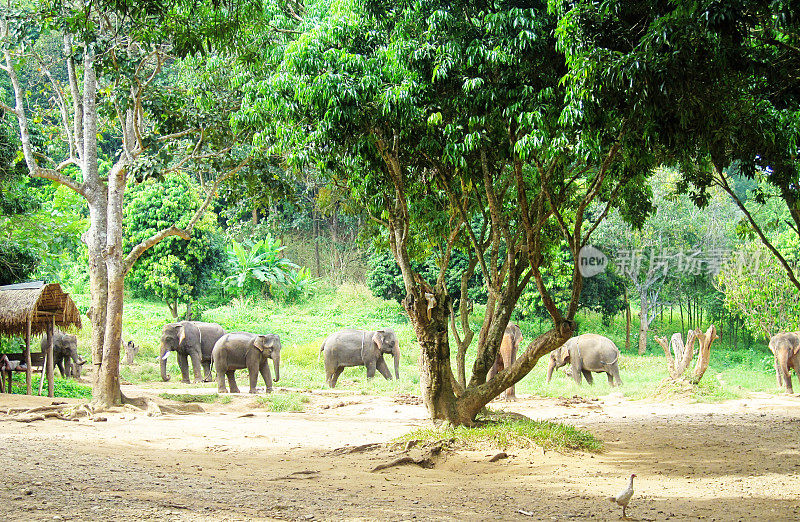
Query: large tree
[715, 82]
[119, 91]
[450, 123]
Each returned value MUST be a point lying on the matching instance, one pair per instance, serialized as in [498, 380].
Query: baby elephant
[587, 353]
[65, 353]
[360, 348]
[239, 350]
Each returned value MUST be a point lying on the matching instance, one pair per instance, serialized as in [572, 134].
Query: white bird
[624, 496]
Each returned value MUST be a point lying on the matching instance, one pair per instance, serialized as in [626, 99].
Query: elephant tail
[321, 349]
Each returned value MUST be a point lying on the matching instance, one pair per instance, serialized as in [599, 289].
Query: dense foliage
[175, 270]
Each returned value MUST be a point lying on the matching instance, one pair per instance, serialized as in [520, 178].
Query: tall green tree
[123, 64]
[441, 116]
[715, 83]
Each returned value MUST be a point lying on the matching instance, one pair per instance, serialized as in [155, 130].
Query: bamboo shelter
[36, 308]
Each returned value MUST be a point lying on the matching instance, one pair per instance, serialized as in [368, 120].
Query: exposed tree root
[425, 460]
[355, 449]
[305, 474]
[422, 462]
[499, 456]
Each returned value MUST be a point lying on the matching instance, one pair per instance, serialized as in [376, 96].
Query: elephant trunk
[550, 368]
[396, 355]
[163, 361]
[276, 362]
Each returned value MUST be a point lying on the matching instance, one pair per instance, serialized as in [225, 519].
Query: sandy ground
[738, 460]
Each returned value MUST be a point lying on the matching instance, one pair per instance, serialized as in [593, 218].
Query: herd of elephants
[208, 343]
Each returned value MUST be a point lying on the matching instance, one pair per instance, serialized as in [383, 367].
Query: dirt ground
[738, 460]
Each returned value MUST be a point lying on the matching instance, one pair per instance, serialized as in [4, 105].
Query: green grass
[61, 387]
[278, 402]
[505, 434]
[190, 397]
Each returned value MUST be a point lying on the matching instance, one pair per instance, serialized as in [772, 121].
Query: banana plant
[259, 268]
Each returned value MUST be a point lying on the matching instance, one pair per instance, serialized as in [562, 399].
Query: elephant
[189, 339]
[587, 353]
[239, 350]
[360, 348]
[65, 353]
[785, 347]
[506, 356]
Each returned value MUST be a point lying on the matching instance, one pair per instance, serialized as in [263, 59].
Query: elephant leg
[508, 355]
[232, 381]
[335, 376]
[576, 374]
[330, 369]
[496, 368]
[370, 369]
[267, 375]
[381, 366]
[221, 380]
[252, 373]
[778, 375]
[588, 375]
[613, 377]
[60, 363]
[183, 363]
[196, 366]
[206, 371]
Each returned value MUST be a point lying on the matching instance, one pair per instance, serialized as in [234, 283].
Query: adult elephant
[360, 348]
[65, 353]
[189, 339]
[240, 350]
[785, 347]
[506, 356]
[587, 353]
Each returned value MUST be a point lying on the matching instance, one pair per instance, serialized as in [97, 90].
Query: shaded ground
[733, 461]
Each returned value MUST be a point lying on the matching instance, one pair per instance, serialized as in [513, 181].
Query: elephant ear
[181, 333]
[260, 343]
[377, 339]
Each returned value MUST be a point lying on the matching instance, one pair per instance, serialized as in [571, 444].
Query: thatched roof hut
[39, 302]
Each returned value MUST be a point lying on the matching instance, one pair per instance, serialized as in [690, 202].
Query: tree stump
[678, 363]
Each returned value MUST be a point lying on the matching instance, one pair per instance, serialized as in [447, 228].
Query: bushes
[174, 270]
[385, 280]
[261, 270]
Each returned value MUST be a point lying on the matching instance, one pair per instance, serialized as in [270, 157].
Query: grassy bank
[303, 327]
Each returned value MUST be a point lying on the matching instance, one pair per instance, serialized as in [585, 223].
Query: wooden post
[28, 356]
[51, 324]
[41, 375]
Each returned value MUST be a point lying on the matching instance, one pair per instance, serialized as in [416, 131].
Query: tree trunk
[315, 218]
[643, 323]
[429, 313]
[627, 321]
